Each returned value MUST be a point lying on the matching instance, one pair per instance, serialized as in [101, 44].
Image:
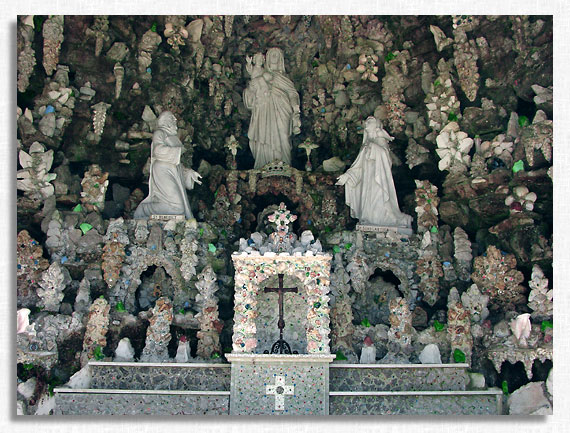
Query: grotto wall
[467, 98]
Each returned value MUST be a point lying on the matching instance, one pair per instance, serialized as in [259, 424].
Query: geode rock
[496, 276]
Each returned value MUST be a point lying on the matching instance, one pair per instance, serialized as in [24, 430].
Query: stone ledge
[157, 364]
[268, 358]
[399, 366]
[496, 392]
[256, 255]
[136, 391]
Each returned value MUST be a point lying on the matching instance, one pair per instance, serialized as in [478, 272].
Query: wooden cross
[281, 344]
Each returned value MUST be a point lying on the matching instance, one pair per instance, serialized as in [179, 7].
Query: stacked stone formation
[158, 332]
[95, 339]
[210, 325]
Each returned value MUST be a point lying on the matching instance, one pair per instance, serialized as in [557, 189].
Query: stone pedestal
[279, 384]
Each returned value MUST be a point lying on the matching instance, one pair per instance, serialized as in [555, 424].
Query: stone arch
[406, 281]
[253, 270]
[170, 264]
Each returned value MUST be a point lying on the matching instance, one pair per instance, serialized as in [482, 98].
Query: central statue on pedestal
[274, 105]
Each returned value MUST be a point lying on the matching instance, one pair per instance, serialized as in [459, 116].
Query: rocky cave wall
[467, 98]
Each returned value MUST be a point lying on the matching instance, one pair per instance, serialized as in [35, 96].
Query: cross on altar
[280, 346]
[279, 390]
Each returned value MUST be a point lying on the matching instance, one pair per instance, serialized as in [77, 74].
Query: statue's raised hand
[342, 179]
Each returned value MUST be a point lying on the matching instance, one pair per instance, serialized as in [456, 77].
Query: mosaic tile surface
[414, 405]
[161, 378]
[279, 388]
[133, 404]
[397, 379]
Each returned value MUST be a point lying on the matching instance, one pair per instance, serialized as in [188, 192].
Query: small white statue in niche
[274, 104]
[369, 187]
[168, 178]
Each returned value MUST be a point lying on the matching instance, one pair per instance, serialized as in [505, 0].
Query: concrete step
[487, 402]
[398, 377]
[140, 402]
[160, 376]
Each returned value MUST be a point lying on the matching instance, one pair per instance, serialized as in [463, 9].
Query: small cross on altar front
[281, 345]
[279, 390]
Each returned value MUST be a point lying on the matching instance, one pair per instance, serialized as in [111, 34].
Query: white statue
[369, 188]
[168, 178]
[274, 105]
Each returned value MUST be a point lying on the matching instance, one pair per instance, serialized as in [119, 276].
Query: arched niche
[294, 314]
[155, 282]
[252, 271]
[373, 302]
[134, 272]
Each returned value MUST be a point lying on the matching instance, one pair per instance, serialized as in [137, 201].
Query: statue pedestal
[384, 229]
[168, 217]
[279, 384]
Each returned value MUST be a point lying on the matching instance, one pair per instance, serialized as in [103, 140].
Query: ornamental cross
[281, 345]
[279, 390]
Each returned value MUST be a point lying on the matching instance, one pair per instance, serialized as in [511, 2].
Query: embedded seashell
[531, 196]
[521, 191]
[168, 30]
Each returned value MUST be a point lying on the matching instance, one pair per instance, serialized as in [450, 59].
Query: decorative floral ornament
[521, 199]
[367, 67]
[282, 218]
[233, 145]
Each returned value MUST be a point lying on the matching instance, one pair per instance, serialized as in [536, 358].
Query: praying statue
[274, 105]
[369, 188]
[168, 179]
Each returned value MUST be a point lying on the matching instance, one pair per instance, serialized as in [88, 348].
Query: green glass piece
[452, 117]
[545, 325]
[523, 121]
[389, 56]
[336, 249]
[317, 304]
[458, 356]
[518, 166]
[96, 185]
[120, 307]
[433, 229]
[201, 232]
[212, 248]
[347, 246]
[366, 323]
[77, 208]
[98, 353]
[85, 227]
[340, 356]
[436, 83]
[438, 326]
[505, 387]
[153, 27]
[215, 355]
[224, 232]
